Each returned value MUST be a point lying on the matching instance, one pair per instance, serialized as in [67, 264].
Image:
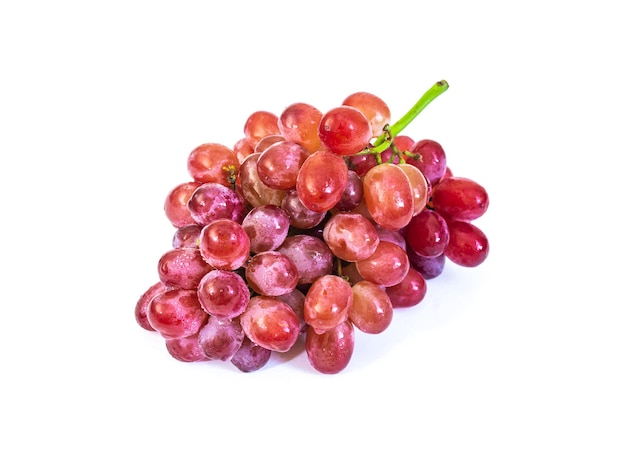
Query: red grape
[270, 323]
[223, 293]
[388, 196]
[182, 268]
[176, 313]
[375, 110]
[224, 244]
[427, 234]
[299, 122]
[387, 266]
[408, 292]
[345, 130]
[350, 236]
[327, 302]
[371, 310]
[432, 159]
[186, 349]
[322, 180]
[468, 245]
[460, 198]
[271, 273]
[141, 306]
[330, 352]
[212, 162]
[260, 124]
[175, 206]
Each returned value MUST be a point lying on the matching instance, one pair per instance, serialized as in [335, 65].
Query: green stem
[430, 95]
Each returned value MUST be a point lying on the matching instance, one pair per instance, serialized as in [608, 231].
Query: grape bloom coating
[315, 225]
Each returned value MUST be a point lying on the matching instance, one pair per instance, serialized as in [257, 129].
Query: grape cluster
[312, 225]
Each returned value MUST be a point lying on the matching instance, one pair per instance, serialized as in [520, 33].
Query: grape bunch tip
[313, 225]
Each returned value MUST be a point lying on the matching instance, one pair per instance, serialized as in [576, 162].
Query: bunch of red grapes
[314, 225]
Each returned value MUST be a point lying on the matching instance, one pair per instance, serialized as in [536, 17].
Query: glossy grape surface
[330, 352]
[460, 198]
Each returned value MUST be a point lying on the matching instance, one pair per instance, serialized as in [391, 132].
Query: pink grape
[345, 130]
[270, 323]
[427, 234]
[250, 356]
[176, 313]
[211, 162]
[468, 245]
[460, 198]
[271, 273]
[141, 306]
[311, 256]
[267, 227]
[299, 122]
[327, 302]
[223, 293]
[388, 196]
[182, 268]
[224, 244]
[186, 236]
[279, 164]
[300, 216]
[419, 185]
[350, 236]
[254, 191]
[322, 180]
[213, 201]
[375, 110]
[242, 149]
[295, 299]
[352, 193]
[371, 310]
[185, 349]
[267, 141]
[221, 338]
[408, 292]
[432, 159]
[260, 124]
[330, 352]
[387, 266]
[175, 206]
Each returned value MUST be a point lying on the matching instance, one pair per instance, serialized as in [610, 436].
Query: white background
[100, 104]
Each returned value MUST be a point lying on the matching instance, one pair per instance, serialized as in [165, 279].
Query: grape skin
[209, 163]
[182, 268]
[468, 245]
[176, 313]
[186, 349]
[271, 273]
[327, 303]
[176, 209]
[350, 236]
[388, 196]
[220, 338]
[371, 310]
[460, 198]
[224, 244]
[311, 256]
[345, 130]
[330, 352]
[322, 180]
[270, 323]
[387, 266]
[141, 307]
